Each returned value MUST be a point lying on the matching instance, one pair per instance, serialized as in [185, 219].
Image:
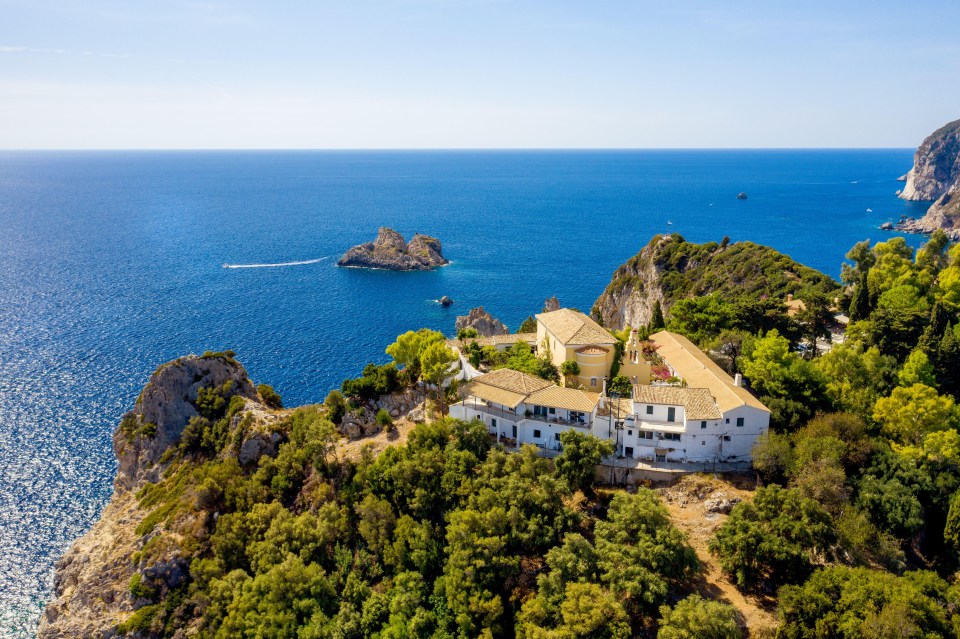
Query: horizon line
[445, 149]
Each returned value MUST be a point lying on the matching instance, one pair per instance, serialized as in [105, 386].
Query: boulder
[551, 304]
[445, 301]
[886, 226]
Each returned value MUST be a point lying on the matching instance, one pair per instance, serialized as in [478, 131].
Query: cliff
[92, 585]
[669, 268]
[389, 251]
[935, 177]
[483, 322]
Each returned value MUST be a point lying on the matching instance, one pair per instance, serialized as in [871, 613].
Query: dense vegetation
[440, 537]
[853, 532]
[737, 273]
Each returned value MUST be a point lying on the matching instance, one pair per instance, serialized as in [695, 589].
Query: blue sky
[475, 73]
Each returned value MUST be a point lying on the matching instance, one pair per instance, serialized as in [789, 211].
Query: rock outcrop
[390, 252]
[92, 593]
[935, 177]
[551, 304]
[670, 268]
[483, 322]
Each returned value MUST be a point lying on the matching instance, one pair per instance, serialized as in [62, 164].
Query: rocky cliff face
[389, 251]
[92, 583]
[935, 177]
[484, 323]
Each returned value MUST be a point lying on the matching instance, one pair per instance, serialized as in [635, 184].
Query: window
[649, 410]
[703, 443]
[536, 434]
[645, 434]
[552, 410]
[593, 381]
[728, 420]
[703, 425]
[539, 410]
[629, 432]
[739, 422]
[726, 438]
[493, 422]
[671, 414]
[628, 451]
[576, 417]
[556, 437]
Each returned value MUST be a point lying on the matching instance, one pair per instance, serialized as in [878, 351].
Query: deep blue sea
[112, 263]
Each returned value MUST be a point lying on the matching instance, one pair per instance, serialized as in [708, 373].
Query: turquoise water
[111, 263]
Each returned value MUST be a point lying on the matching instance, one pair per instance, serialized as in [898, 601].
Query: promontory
[390, 252]
[935, 177]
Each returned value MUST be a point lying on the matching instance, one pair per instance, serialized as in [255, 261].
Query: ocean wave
[278, 264]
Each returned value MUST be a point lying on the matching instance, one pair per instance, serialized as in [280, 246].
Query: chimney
[738, 380]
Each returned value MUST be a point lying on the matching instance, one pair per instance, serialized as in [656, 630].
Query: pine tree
[656, 321]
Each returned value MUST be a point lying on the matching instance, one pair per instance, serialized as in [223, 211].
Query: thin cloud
[99, 54]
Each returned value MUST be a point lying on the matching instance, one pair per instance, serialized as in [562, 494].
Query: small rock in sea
[444, 301]
[741, 195]
[898, 192]
[886, 226]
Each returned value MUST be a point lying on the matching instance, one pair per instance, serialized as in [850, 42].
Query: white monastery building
[704, 415]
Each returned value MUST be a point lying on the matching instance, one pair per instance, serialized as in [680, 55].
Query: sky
[138, 74]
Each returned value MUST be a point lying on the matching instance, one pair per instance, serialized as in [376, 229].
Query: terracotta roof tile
[573, 327]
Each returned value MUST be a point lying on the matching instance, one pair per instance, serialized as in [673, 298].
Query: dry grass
[684, 500]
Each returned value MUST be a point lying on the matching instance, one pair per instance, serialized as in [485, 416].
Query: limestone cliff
[92, 592]
[390, 252]
[483, 322]
[935, 177]
[669, 268]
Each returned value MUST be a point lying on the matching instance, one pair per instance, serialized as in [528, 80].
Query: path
[684, 500]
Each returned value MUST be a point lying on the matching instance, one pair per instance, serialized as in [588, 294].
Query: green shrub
[336, 406]
[384, 421]
[269, 396]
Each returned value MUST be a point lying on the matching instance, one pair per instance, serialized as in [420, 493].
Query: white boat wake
[278, 264]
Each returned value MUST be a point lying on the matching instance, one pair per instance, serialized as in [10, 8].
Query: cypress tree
[948, 362]
[656, 322]
[932, 335]
[860, 304]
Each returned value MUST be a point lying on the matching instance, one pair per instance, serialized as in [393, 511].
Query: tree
[621, 386]
[577, 463]
[773, 457]
[773, 539]
[815, 318]
[860, 302]
[270, 397]
[859, 603]
[336, 406]
[793, 388]
[857, 377]
[641, 555]
[569, 368]
[698, 618]
[590, 611]
[529, 325]
[911, 413]
[435, 363]
[409, 348]
[702, 318]
[656, 319]
[917, 370]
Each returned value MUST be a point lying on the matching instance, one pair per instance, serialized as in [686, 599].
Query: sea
[112, 263]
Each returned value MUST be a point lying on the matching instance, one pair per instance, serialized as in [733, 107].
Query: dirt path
[685, 501]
